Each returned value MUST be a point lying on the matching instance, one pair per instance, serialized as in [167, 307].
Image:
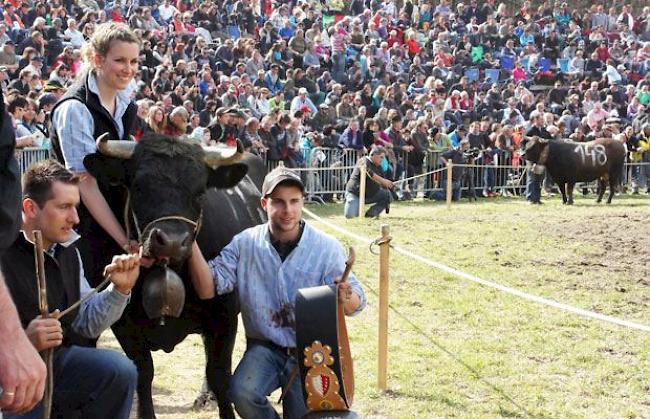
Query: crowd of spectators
[290, 78]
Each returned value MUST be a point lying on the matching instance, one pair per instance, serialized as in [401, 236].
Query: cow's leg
[219, 340]
[601, 189]
[613, 184]
[134, 345]
[569, 192]
[562, 186]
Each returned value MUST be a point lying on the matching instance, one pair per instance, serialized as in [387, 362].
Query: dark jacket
[62, 274]
[10, 196]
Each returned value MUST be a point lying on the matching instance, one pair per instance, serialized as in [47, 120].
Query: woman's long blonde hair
[157, 127]
[103, 37]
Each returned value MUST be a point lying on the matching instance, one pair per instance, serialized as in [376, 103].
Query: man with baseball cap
[267, 264]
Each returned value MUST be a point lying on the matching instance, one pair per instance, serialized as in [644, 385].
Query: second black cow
[569, 162]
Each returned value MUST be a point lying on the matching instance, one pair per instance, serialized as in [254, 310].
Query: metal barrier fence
[28, 155]
[325, 172]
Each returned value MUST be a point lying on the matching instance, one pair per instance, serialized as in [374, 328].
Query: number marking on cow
[596, 154]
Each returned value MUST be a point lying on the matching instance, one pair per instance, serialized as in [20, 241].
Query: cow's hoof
[205, 400]
[570, 203]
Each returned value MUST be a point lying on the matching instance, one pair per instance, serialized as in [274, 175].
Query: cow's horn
[114, 148]
[216, 156]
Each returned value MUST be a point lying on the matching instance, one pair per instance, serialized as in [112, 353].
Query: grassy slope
[457, 349]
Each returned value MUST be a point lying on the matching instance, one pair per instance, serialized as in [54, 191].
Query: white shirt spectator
[167, 12]
[613, 76]
[76, 38]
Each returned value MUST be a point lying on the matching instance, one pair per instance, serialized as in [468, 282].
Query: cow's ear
[107, 170]
[225, 177]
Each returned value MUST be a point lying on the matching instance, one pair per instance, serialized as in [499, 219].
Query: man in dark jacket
[22, 371]
[88, 381]
[534, 180]
[377, 186]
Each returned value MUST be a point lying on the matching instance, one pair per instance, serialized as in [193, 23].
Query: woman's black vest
[96, 246]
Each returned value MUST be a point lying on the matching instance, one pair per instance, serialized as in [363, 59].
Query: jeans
[338, 67]
[441, 195]
[533, 186]
[260, 372]
[381, 200]
[488, 179]
[89, 383]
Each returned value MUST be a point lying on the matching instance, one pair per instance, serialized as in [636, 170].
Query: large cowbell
[163, 294]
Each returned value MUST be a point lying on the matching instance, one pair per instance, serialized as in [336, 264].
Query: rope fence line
[499, 287]
[442, 169]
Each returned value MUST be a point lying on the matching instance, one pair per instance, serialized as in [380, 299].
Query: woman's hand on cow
[124, 271]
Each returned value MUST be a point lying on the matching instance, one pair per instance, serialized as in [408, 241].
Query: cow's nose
[170, 244]
[159, 237]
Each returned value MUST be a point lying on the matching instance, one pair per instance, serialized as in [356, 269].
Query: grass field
[461, 350]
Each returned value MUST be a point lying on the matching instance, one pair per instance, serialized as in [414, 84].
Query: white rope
[442, 169]
[508, 290]
[315, 169]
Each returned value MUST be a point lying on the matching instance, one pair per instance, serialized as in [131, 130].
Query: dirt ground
[619, 244]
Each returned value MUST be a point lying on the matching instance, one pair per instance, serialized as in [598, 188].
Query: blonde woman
[99, 102]
[156, 120]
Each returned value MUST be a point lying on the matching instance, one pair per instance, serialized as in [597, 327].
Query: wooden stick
[48, 355]
[449, 183]
[362, 187]
[348, 265]
[384, 250]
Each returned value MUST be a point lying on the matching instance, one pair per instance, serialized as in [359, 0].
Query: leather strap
[322, 343]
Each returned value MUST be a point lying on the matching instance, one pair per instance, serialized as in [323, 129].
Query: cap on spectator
[9, 42]
[280, 175]
[234, 111]
[37, 58]
[222, 111]
[302, 91]
[52, 86]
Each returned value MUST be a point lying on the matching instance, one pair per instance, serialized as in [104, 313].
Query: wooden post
[382, 356]
[449, 183]
[362, 187]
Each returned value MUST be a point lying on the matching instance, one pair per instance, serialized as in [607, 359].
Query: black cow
[173, 178]
[569, 162]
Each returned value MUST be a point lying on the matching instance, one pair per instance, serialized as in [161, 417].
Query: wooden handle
[39, 260]
[348, 265]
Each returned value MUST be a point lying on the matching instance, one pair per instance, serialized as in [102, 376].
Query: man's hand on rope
[124, 271]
